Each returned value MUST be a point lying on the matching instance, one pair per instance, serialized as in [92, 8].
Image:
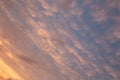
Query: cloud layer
[61, 39]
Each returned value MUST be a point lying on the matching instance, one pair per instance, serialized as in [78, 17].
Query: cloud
[58, 40]
[8, 3]
[99, 14]
[56, 6]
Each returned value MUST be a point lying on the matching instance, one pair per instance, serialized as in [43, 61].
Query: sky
[60, 39]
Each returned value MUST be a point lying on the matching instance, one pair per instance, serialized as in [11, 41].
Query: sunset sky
[59, 39]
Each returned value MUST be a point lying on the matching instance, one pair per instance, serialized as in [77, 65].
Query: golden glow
[8, 73]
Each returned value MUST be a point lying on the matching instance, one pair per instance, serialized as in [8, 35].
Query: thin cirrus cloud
[63, 39]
